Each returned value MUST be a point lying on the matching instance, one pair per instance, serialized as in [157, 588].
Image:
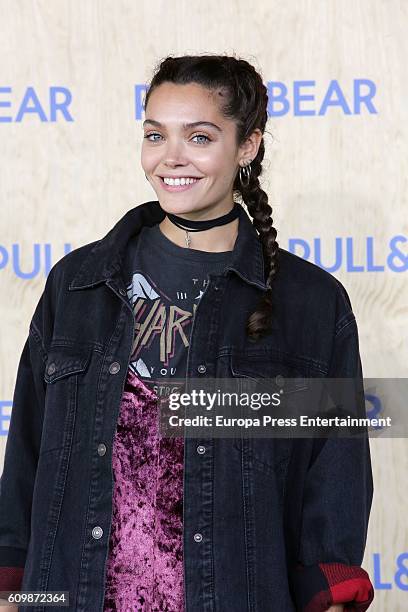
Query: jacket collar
[107, 255]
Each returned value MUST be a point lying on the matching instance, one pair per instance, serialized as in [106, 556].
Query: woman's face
[206, 152]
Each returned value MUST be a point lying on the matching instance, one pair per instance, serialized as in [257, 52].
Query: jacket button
[202, 368]
[201, 450]
[101, 449]
[51, 368]
[114, 367]
[97, 532]
[280, 381]
[216, 288]
[198, 537]
[122, 291]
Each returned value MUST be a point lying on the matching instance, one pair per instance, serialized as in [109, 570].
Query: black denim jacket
[269, 513]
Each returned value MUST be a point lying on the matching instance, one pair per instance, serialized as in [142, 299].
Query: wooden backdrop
[334, 170]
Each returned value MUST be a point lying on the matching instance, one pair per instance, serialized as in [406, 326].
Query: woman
[94, 500]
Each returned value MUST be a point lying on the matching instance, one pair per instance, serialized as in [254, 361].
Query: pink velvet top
[145, 560]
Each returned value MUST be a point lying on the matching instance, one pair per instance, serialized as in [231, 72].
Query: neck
[214, 240]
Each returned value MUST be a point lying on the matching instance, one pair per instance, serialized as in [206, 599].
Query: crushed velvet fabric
[145, 560]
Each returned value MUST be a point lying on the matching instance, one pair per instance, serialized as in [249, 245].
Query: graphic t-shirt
[145, 560]
[168, 282]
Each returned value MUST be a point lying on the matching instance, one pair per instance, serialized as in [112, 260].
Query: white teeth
[179, 181]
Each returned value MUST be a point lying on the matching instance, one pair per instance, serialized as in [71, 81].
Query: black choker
[199, 226]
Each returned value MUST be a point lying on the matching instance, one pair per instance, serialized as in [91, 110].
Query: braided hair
[244, 99]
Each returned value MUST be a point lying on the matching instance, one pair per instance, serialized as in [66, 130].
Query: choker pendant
[199, 226]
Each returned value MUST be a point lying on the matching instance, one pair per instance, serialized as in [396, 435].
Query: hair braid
[256, 201]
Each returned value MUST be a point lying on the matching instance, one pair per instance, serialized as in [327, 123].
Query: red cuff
[317, 587]
[348, 584]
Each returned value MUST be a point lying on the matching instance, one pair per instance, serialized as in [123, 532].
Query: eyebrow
[185, 126]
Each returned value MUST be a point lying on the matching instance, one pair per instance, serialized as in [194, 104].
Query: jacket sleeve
[20, 461]
[336, 503]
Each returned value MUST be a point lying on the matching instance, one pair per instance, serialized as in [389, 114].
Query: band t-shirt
[145, 559]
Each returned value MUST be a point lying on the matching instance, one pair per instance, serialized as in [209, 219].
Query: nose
[172, 163]
[174, 155]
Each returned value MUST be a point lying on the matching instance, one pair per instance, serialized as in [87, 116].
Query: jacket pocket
[273, 372]
[63, 374]
[283, 372]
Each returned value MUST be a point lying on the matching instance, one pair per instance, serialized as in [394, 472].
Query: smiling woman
[94, 500]
[193, 150]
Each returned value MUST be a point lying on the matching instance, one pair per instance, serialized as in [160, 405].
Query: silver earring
[245, 174]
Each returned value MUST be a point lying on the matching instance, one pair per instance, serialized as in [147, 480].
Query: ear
[249, 149]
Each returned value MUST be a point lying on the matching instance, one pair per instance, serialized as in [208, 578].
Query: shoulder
[70, 263]
[76, 256]
[314, 288]
[299, 270]
[57, 282]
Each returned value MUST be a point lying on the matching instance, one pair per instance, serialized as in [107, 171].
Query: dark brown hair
[244, 99]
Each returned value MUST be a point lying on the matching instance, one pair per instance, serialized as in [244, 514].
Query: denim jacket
[267, 525]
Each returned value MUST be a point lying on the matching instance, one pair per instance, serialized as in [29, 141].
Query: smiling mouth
[194, 179]
[179, 186]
